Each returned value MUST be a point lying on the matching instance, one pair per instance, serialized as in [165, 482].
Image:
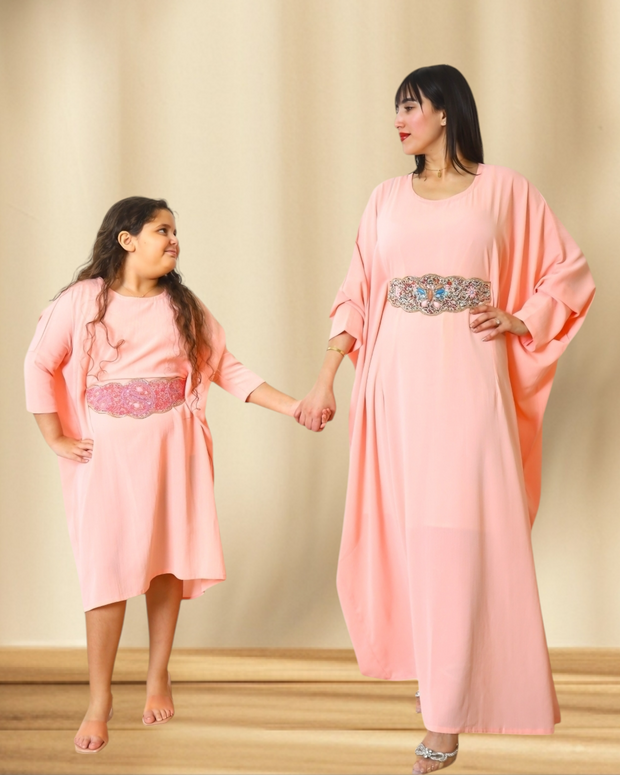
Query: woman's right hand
[80, 450]
[317, 408]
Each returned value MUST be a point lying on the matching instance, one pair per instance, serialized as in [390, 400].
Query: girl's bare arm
[267, 396]
[80, 450]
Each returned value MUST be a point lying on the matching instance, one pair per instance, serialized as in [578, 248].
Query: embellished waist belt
[432, 294]
[137, 398]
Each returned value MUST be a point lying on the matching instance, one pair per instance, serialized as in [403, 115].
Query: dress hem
[206, 583]
[466, 729]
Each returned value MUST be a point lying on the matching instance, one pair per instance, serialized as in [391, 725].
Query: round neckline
[477, 176]
[138, 298]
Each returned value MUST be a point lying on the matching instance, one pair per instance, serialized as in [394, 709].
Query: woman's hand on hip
[80, 450]
[316, 409]
[492, 322]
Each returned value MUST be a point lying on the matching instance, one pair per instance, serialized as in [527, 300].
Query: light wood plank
[268, 705]
[27, 665]
[571, 665]
[70, 665]
[186, 748]
[293, 727]
[276, 705]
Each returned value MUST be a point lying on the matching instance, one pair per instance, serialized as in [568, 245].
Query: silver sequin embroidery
[432, 294]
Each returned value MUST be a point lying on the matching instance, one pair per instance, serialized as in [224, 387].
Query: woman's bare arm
[319, 406]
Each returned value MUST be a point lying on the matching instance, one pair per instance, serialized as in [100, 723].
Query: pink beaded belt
[432, 294]
[138, 398]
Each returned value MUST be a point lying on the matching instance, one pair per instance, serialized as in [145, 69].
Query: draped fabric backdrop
[267, 125]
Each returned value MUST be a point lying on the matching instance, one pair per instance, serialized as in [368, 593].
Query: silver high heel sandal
[417, 696]
[436, 756]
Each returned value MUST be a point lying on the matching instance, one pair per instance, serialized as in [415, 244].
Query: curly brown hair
[107, 260]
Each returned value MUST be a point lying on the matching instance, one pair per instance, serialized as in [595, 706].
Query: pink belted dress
[143, 505]
[436, 575]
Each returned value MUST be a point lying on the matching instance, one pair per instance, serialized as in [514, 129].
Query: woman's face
[421, 128]
[155, 250]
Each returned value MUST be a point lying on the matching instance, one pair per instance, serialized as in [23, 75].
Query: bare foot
[437, 742]
[92, 735]
[159, 706]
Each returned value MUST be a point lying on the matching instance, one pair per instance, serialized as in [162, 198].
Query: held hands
[319, 406]
[493, 322]
[267, 396]
[316, 409]
[80, 450]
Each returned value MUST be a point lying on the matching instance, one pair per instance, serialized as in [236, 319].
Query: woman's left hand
[493, 322]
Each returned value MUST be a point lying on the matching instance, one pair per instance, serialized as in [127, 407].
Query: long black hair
[446, 89]
[106, 262]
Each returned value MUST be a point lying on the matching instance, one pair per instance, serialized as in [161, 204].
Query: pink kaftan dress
[436, 575]
[143, 505]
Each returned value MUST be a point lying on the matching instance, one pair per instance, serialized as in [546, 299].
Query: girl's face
[155, 250]
[421, 128]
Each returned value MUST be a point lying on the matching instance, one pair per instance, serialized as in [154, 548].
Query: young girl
[117, 377]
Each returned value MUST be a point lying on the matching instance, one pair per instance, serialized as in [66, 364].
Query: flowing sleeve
[555, 287]
[548, 285]
[349, 312]
[49, 350]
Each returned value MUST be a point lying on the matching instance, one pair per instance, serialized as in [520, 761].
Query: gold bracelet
[337, 350]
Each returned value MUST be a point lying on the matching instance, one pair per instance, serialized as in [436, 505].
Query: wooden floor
[284, 711]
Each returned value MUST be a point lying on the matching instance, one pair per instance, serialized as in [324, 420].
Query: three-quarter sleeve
[234, 377]
[51, 346]
[350, 309]
[555, 267]
[222, 367]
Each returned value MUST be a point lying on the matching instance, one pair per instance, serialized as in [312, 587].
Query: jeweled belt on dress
[432, 294]
[137, 398]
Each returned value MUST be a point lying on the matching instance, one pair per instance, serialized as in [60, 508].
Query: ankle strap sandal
[436, 756]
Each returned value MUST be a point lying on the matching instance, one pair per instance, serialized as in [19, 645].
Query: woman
[463, 291]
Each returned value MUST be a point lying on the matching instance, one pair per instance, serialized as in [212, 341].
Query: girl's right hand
[317, 408]
[80, 450]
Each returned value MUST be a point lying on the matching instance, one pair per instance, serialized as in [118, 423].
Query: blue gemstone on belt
[441, 292]
[421, 292]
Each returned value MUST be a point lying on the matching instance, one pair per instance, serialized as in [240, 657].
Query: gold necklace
[439, 171]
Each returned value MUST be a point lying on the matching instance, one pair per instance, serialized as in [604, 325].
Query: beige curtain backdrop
[267, 125]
